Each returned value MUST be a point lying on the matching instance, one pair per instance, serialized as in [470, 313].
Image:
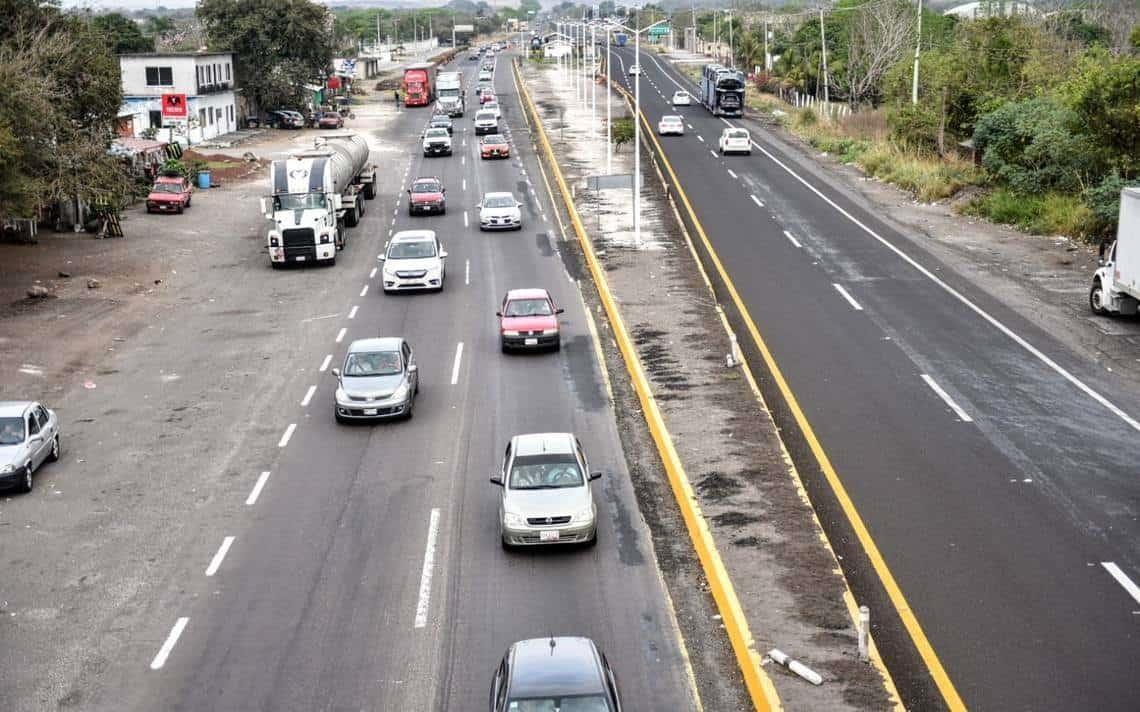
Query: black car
[441, 121]
[555, 673]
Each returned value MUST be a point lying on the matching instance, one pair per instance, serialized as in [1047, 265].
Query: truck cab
[1116, 284]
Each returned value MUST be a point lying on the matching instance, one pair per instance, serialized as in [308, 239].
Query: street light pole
[637, 134]
[609, 113]
[593, 87]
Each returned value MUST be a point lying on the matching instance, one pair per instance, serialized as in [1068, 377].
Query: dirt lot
[785, 576]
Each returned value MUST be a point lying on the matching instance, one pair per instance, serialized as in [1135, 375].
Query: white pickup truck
[1116, 285]
[437, 142]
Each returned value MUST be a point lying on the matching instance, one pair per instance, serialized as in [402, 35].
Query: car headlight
[341, 395]
[510, 332]
[400, 393]
[8, 469]
[550, 332]
[586, 515]
[512, 520]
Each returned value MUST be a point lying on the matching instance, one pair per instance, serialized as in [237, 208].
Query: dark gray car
[565, 674]
[29, 437]
[379, 380]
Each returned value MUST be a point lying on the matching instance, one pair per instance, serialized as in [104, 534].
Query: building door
[156, 119]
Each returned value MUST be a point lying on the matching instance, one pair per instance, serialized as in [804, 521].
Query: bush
[1042, 214]
[622, 132]
[1104, 202]
[1029, 146]
[173, 167]
[914, 127]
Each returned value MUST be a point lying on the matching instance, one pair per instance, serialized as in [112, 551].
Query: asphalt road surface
[999, 486]
[368, 574]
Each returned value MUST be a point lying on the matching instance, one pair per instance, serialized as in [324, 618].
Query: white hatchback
[735, 141]
[682, 98]
[671, 126]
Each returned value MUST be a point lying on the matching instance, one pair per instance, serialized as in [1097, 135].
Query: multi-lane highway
[994, 468]
[365, 571]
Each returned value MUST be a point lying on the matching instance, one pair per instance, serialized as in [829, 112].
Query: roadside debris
[64, 275]
[38, 291]
[93, 283]
[781, 658]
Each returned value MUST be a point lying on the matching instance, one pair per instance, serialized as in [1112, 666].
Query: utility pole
[917, 52]
[593, 85]
[637, 135]
[766, 68]
[823, 42]
[731, 52]
[609, 114]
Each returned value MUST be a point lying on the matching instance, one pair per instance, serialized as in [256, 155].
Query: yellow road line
[759, 686]
[898, 600]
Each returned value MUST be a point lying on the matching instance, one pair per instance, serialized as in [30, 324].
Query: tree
[59, 95]
[122, 34]
[157, 25]
[279, 45]
[1030, 146]
[1104, 94]
[880, 34]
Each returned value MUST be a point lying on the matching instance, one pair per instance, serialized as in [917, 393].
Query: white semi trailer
[314, 196]
[1116, 285]
[452, 97]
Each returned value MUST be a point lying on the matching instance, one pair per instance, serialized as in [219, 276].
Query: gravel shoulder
[786, 577]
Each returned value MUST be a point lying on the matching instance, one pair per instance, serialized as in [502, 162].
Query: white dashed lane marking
[168, 646]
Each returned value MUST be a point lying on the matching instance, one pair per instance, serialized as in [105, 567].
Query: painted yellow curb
[760, 688]
[918, 637]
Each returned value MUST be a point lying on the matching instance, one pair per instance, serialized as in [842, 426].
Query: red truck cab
[169, 194]
[419, 84]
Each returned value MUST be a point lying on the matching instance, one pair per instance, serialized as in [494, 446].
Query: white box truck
[452, 99]
[1116, 284]
[314, 196]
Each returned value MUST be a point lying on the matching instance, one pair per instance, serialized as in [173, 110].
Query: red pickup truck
[170, 194]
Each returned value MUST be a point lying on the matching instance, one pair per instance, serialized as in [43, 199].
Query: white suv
[485, 122]
[414, 259]
[735, 141]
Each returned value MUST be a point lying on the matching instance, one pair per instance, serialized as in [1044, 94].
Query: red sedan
[494, 146]
[330, 120]
[427, 195]
[170, 194]
[528, 319]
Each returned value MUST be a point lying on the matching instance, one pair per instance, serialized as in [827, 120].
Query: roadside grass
[1042, 214]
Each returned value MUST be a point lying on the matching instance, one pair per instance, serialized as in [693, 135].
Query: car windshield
[582, 703]
[530, 472]
[670, 119]
[485, 116]
[167, 187]
[738, 134]
[499, 201]
[681, 95]
[411, 250]
[493, 138]
[373, 363]
[11, 431]
[426, 187]
[300, 201]
[436, 133]
[529, 307]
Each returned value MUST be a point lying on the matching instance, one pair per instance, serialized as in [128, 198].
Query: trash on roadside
[64, 275]
[93, 283]
[783, 659]
[89, 385]
[37, 291]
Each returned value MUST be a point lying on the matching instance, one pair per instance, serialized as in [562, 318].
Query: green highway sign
[659, 31]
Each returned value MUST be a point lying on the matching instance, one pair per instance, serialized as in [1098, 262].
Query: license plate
[370, 411]
[299, 258]
[531, 342]
[551, 535]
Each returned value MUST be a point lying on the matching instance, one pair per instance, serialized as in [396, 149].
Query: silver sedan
[29, 437]
[379, 380]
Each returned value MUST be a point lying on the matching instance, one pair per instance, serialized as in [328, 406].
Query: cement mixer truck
[314, 196]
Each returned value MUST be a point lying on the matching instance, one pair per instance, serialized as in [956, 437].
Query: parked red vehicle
[330, 120]
[170, 194]
[528, 319]
[419, 84]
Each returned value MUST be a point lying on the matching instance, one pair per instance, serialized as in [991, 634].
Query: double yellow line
[918, 637]
[760, 688]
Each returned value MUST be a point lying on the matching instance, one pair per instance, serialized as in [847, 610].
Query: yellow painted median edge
[759, 686]
[914, 629]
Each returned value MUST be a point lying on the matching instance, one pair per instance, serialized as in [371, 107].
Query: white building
[207, 80]
[991, 8]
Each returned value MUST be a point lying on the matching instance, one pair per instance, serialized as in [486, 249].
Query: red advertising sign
[334, 82]
[174, 106]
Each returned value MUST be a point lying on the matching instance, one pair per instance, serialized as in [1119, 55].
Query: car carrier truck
[314, 196]
[1116, 284]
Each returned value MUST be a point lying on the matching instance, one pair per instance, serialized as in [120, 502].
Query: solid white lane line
[963, 299]
[463, 160]
[458, 360]
[171, 640]
[700, 138]
[962, 415]
[850, 299]
[792, 238]
[340, 335]
[325, 363]
[352, 312]
[759, 203]
[467, 272]
[219, 556]
[731, 173]
[465, 219]
[364, 290]
[308, 396]
[424, 601]
[288, 434]
[372, 274]
[464, 184]
[257, 487]
[1122, 579]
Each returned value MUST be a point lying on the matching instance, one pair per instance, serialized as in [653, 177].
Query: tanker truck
[314, 196]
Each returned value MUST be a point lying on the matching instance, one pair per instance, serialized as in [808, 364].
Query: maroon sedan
[528, 319]
[427, 196]
[330, 120]
[170, 194]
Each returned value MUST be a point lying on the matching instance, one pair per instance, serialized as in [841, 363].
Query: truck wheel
[370, 190]
[351, 218]
[1096, 298]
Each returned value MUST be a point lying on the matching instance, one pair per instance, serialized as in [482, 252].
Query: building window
[159, 77]
[202, 118]
[227, 71]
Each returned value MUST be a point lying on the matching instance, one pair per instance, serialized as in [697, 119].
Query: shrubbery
[1029, 145]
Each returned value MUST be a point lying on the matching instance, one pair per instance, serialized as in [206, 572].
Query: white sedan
[682, 98]
[492, 106]
[634, 69]
[499, 211]
[670, 126]
[735, 141]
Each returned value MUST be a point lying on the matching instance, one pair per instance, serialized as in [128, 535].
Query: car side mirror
[442, 254]
[559, 310]
[595, 476]
[497, 480]
[336, 372]
[518, 204]
[443, 190]
[412, 368]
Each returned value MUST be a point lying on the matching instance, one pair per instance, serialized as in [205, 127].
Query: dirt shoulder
[785, 576]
